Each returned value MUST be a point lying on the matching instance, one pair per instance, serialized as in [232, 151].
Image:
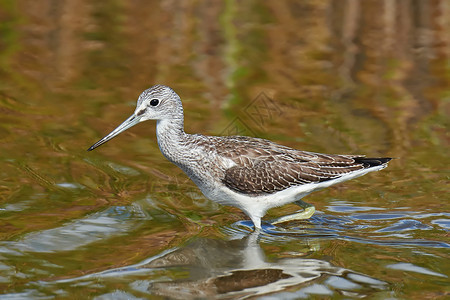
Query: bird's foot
[308, 211]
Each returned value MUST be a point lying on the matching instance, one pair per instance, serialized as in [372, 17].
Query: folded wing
[263, 167]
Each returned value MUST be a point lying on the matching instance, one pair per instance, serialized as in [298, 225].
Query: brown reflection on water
[392, 57]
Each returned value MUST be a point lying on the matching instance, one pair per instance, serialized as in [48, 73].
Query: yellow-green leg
[306, 213]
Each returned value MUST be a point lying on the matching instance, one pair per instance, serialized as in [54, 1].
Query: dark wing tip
[372, 162]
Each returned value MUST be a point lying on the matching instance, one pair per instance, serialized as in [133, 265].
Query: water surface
[121, 222]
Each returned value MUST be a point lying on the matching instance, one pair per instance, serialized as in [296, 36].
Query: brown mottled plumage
[250, 173]
[264, 167]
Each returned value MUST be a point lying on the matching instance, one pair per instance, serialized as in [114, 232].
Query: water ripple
[98, 226]
[360, 228]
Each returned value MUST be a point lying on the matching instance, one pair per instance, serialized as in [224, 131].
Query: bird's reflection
[239, 268]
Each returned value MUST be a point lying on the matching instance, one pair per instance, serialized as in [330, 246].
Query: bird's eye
[154, 102]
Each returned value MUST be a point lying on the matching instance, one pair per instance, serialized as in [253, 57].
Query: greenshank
[249, 173]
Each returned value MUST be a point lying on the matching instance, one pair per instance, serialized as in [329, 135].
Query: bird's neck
[172, 139]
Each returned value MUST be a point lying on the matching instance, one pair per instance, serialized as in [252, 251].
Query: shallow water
[121, 222]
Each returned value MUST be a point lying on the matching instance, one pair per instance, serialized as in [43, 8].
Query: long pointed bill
[130, 122]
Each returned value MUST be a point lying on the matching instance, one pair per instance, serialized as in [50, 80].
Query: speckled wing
[263, 167]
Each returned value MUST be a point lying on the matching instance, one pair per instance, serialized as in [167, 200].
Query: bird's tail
[372, 162]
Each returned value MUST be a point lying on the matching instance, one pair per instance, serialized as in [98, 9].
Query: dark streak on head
[141, 112]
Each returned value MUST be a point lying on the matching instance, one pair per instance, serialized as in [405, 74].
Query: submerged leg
[306, 213]
[257, 222]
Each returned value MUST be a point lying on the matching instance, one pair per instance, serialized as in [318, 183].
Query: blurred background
[121, 222]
